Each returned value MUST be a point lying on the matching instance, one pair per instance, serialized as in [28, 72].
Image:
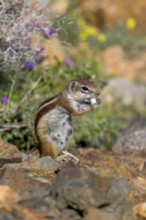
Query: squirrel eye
[85, 88]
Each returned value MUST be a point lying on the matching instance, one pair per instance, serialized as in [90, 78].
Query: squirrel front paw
[66, 157]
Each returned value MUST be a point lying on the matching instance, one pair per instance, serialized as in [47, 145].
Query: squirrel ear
[72, 85]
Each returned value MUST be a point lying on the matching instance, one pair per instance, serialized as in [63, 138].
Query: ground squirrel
[53, 123]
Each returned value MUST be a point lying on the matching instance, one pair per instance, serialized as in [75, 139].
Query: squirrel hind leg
[66, 157]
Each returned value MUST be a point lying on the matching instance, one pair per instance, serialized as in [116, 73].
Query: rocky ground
[107, 185]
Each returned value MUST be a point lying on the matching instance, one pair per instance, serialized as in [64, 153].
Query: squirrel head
[84, 94]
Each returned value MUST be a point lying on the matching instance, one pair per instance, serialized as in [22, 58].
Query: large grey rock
[132, 140]
[81, 188]
[124, 91]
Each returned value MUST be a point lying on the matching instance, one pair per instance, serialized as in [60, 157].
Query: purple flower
[29, 26]
[48, 33]
[69, 62]
[4, 99]
[52, 32]
[29, 65]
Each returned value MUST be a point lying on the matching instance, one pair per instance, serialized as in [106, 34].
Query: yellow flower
[102, 38]
[131, 23]
[88, 32]
[83, 35]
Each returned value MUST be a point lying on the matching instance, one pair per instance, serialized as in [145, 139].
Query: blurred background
[46, 43]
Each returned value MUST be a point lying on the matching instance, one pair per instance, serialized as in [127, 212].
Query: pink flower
[69, 62]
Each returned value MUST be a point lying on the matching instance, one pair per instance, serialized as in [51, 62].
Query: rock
[43, 163]
[16, 212]
[140, 210]
[80, 188]
[133, 140]
[8, 195]
[28, 175]
[18, 179]
[73, 179]
[123, 91]
[123, 209]
[119, 188]
[114, 60]
[108, 13]
[77, 192]
[41, 202]
[94, 214]
[9, 153]
[35, 194]
[70, 214]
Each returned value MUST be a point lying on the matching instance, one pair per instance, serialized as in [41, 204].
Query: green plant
[99, 128]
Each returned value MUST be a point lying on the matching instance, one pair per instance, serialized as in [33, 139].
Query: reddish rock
[18, 179]
[114, 61]
[8, 195]
[28, 175]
